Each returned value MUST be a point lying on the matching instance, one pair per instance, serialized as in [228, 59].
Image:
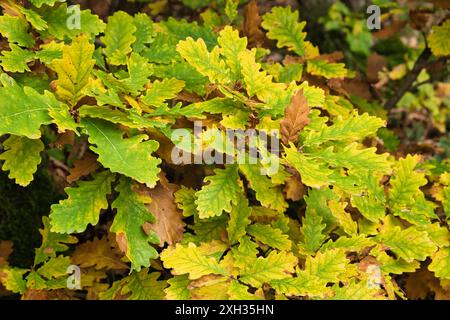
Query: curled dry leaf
[295, 118]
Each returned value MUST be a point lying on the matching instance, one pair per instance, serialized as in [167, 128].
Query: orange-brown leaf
[169, 225]
[252, 23]
[83, 167]
[295, 118]
[294, 189]
[375, 63]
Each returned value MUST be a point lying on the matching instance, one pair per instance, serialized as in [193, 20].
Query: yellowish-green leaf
[83, 205]
[12, 279]
[325, 69]
[74, 70]
[267, 193]
[282, 25]
[16, 30]
[328, 266]
[273, 237]
[237, 291]
[128, 223]
[207, 63]
[239, 220]
[51, 243]
[17, 59]
[119, 36]
[440, 263]
[178, 288]
[349, 129]
[313, 174]
[263, 270]
[438, 39]
[312, 230]
[357, 291]
[230, 47]
[343, 218]
[144, 286]
[302, 285]
[131, 157]
[21, 156]
[185, 199]
[23, 110]
[409, 244]
[160, 91]
[222, 191]
[190, 259]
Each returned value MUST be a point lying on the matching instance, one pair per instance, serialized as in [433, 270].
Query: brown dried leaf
[333, 57]
[375, 63]
[417, 284]
[98, 254]
[169, 225]
[421, 20]
[390, 30]
[444, 4]
[64, 138]
[295, 118]
[83, 167]
[294, 189]
[252, 22]
[60, 294]
[357, 86]
[6, 248]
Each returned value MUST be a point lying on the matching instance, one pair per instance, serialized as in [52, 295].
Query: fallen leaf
[6, 248]
[64, 138]
[295, 118]
[169, 225]
[420, 19]
[388, 31]
[375, 63]
[358, 86]
[333, 57]
[444, 4]
[83, 167]
[417, 284]
[60, 294]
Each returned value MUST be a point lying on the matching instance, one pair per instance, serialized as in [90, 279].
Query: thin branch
[408, 81]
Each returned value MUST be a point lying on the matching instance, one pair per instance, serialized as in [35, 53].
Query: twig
[408, 81]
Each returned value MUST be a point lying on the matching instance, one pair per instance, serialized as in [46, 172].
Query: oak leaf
[99, 254]
[252, 23]
[295, 118]
[83, 167]
[169, 225]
